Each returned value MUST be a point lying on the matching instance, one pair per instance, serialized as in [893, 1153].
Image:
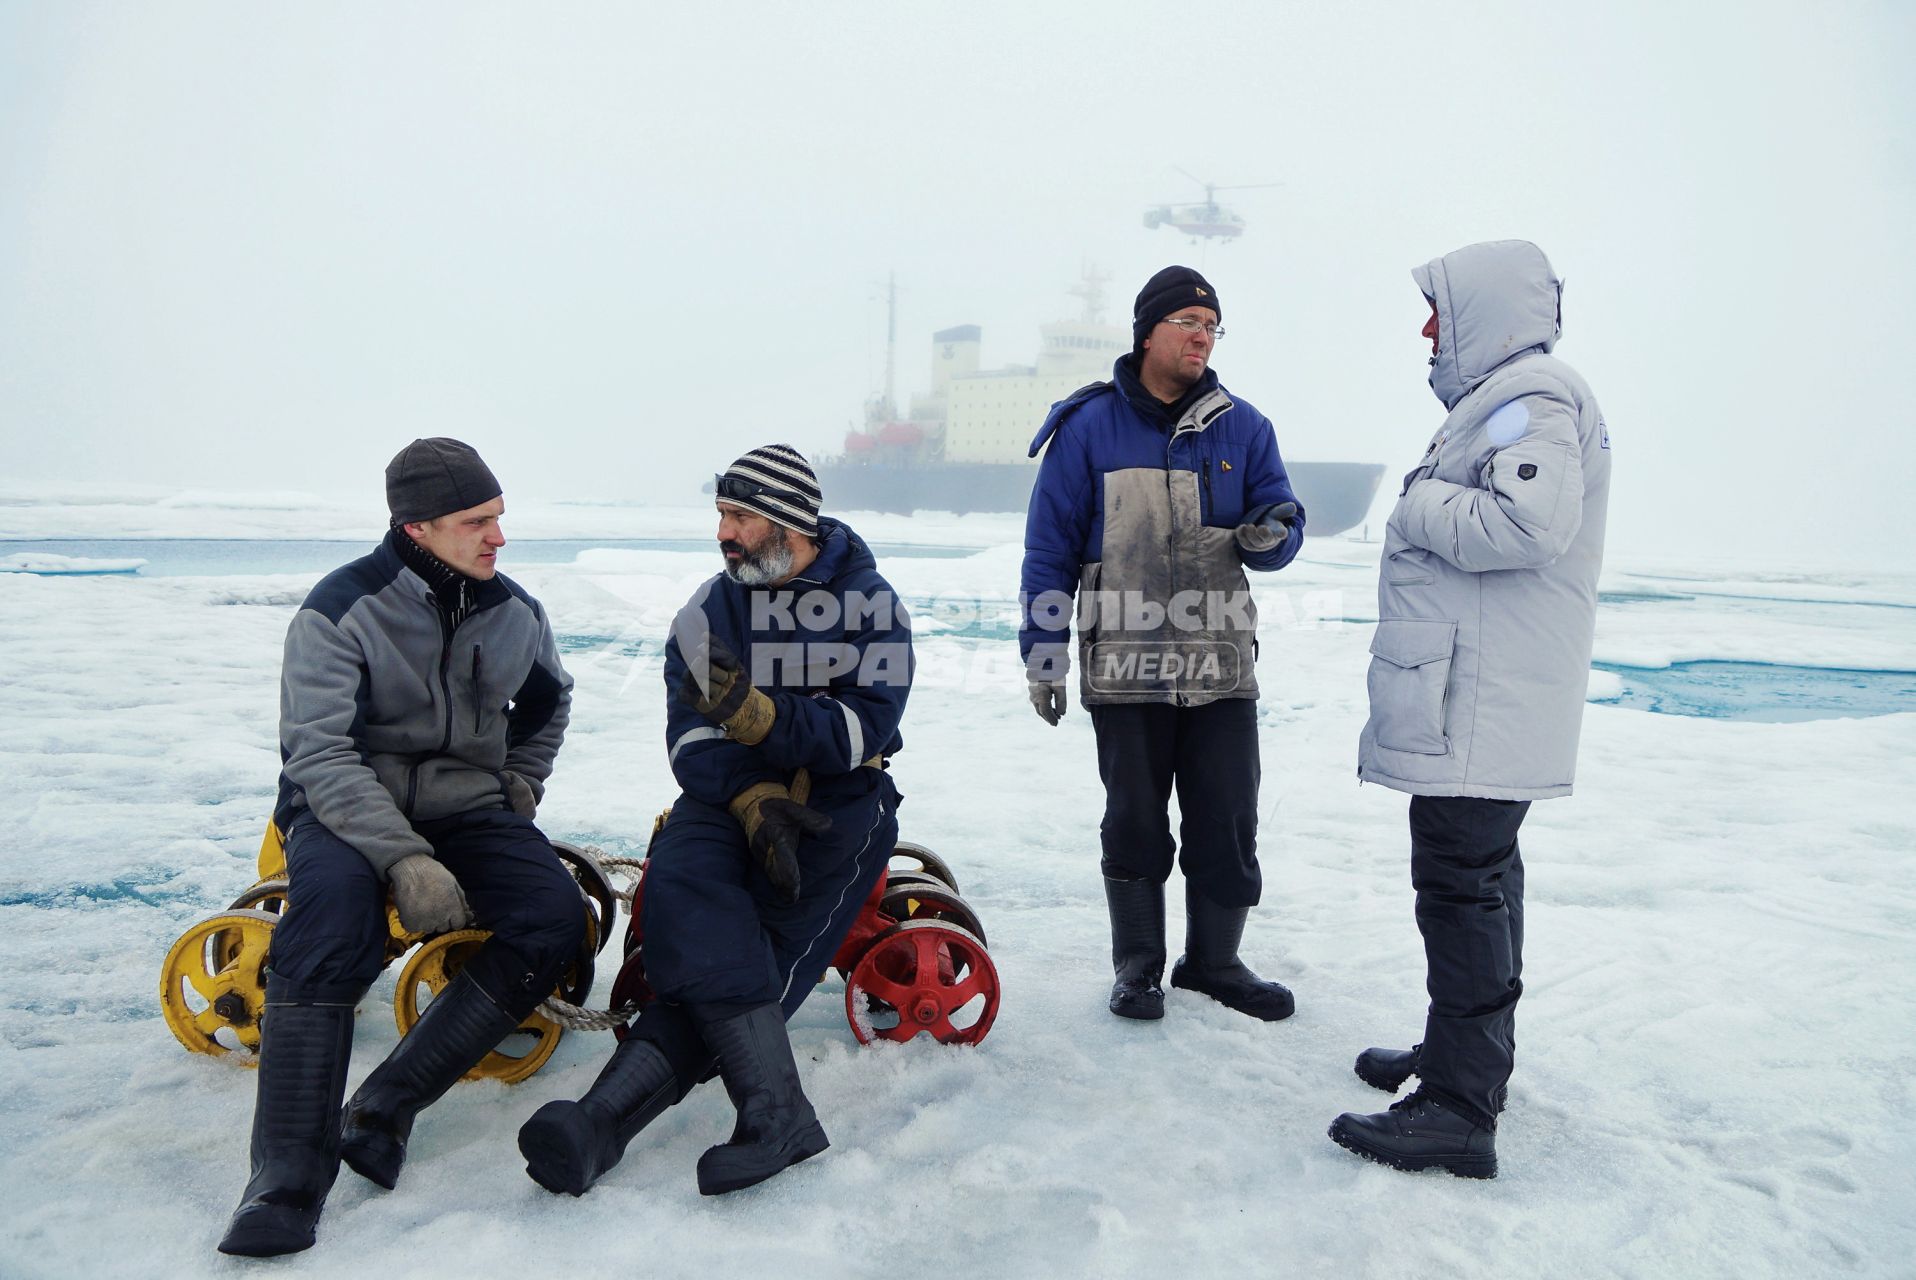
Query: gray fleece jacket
[390, 716]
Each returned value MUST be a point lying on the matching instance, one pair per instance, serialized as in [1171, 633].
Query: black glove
[726, 682]
[774, 824]
[728, 700]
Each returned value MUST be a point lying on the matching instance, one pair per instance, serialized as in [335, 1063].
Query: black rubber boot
[306, 1039]
[776, 1124]
[1421, 1132]
[568, 1146]
[1137, 947]
[1210, 965]
[463, 1023]
[1387, 1069]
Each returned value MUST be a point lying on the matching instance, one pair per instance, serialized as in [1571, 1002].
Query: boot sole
[376, 1158]
[1139, 1013]
[268, 1239]
[552, 1159]
[810, 1141]
[1381, 1080]
[1233, 1005]
[1460, 1166]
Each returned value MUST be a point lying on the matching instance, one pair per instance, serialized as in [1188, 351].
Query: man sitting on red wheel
[786, 677]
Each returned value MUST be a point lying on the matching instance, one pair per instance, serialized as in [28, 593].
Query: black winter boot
[776, 1124]
[1387, 1069]
[1137, 947]
[461, 1025]
[1210, 965]
[568, 1146]
[306, 1039]
[1421, 1132]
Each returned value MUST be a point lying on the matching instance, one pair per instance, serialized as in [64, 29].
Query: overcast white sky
[613, 246]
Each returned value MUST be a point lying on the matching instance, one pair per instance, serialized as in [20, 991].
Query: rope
[574, 1018]
[571, 1016]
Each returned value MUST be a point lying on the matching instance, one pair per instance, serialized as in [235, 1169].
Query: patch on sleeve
[1528, 471]
[1605, 428]
[1507, 425]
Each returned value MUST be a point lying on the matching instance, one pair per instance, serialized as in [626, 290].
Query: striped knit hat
[775, 481]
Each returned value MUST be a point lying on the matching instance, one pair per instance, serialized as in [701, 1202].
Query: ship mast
[891, 344]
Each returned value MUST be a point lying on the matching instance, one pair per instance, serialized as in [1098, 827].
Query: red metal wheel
[924, 975]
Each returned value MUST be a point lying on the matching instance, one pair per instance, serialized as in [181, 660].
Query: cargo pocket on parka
[1409, 672]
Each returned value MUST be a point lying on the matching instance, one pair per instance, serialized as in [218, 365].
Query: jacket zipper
[1171, 542]
[445, 679]
[477, 694]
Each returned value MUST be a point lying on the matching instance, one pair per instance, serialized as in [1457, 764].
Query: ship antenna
[891, 343]
[1090, 287]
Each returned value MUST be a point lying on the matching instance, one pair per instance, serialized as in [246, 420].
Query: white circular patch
[1507, 425]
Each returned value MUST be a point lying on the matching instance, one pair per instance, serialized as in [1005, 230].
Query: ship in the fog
[962, 445]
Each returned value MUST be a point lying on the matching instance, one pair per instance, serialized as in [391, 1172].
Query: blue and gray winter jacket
[831, 648]
[1137, 516]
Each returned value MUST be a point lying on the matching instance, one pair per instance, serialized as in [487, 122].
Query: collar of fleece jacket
[1495, 302]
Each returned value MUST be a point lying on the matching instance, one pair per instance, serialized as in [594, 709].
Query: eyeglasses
[739, 489]
[1191, 324]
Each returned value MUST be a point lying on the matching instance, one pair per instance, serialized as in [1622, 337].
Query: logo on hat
[1200, 291]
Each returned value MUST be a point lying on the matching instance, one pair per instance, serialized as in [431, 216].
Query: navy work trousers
[716, 932]
[1468, 873]
[334, 931]
[1210, 754]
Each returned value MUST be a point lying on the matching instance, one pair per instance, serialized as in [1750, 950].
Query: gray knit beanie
[435, 477]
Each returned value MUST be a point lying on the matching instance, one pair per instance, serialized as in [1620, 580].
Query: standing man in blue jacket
[1486, 607]
[1157, 491]
[421, 707]
[786, 677]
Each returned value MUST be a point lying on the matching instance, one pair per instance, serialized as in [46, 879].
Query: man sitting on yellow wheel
[421, 706]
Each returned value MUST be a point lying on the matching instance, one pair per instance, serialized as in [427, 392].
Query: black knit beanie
[1171, 289]
[435, 477]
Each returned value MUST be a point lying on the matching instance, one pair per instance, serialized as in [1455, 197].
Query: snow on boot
[1421, 1132]
[461, 1025]
[1210, 965]
[1137, 947]
[306, 1040]
[568, 1146]
[1387, 1069]
[776, 1124]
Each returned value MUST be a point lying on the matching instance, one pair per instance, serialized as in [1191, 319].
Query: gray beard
[756, 568]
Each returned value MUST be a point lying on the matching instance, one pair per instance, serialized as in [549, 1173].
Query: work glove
[525, 802]
[728, 698]
[428, 898]
[1269, 530]
[774, 824]
[1047, 699]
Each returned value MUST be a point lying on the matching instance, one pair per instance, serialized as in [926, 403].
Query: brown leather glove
[774, 824]
[727, 697]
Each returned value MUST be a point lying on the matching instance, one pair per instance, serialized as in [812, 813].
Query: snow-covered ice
[49, 564]
[1716, 1049]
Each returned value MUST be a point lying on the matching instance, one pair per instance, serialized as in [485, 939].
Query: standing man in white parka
[1486, 613]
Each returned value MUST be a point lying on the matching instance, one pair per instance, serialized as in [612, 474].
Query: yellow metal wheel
[437, 962]
[213, 984]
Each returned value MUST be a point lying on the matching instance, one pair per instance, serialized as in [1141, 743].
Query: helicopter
[1207, 221]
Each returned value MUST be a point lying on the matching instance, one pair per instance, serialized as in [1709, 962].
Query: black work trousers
[1468, 873]
[1210, 754]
